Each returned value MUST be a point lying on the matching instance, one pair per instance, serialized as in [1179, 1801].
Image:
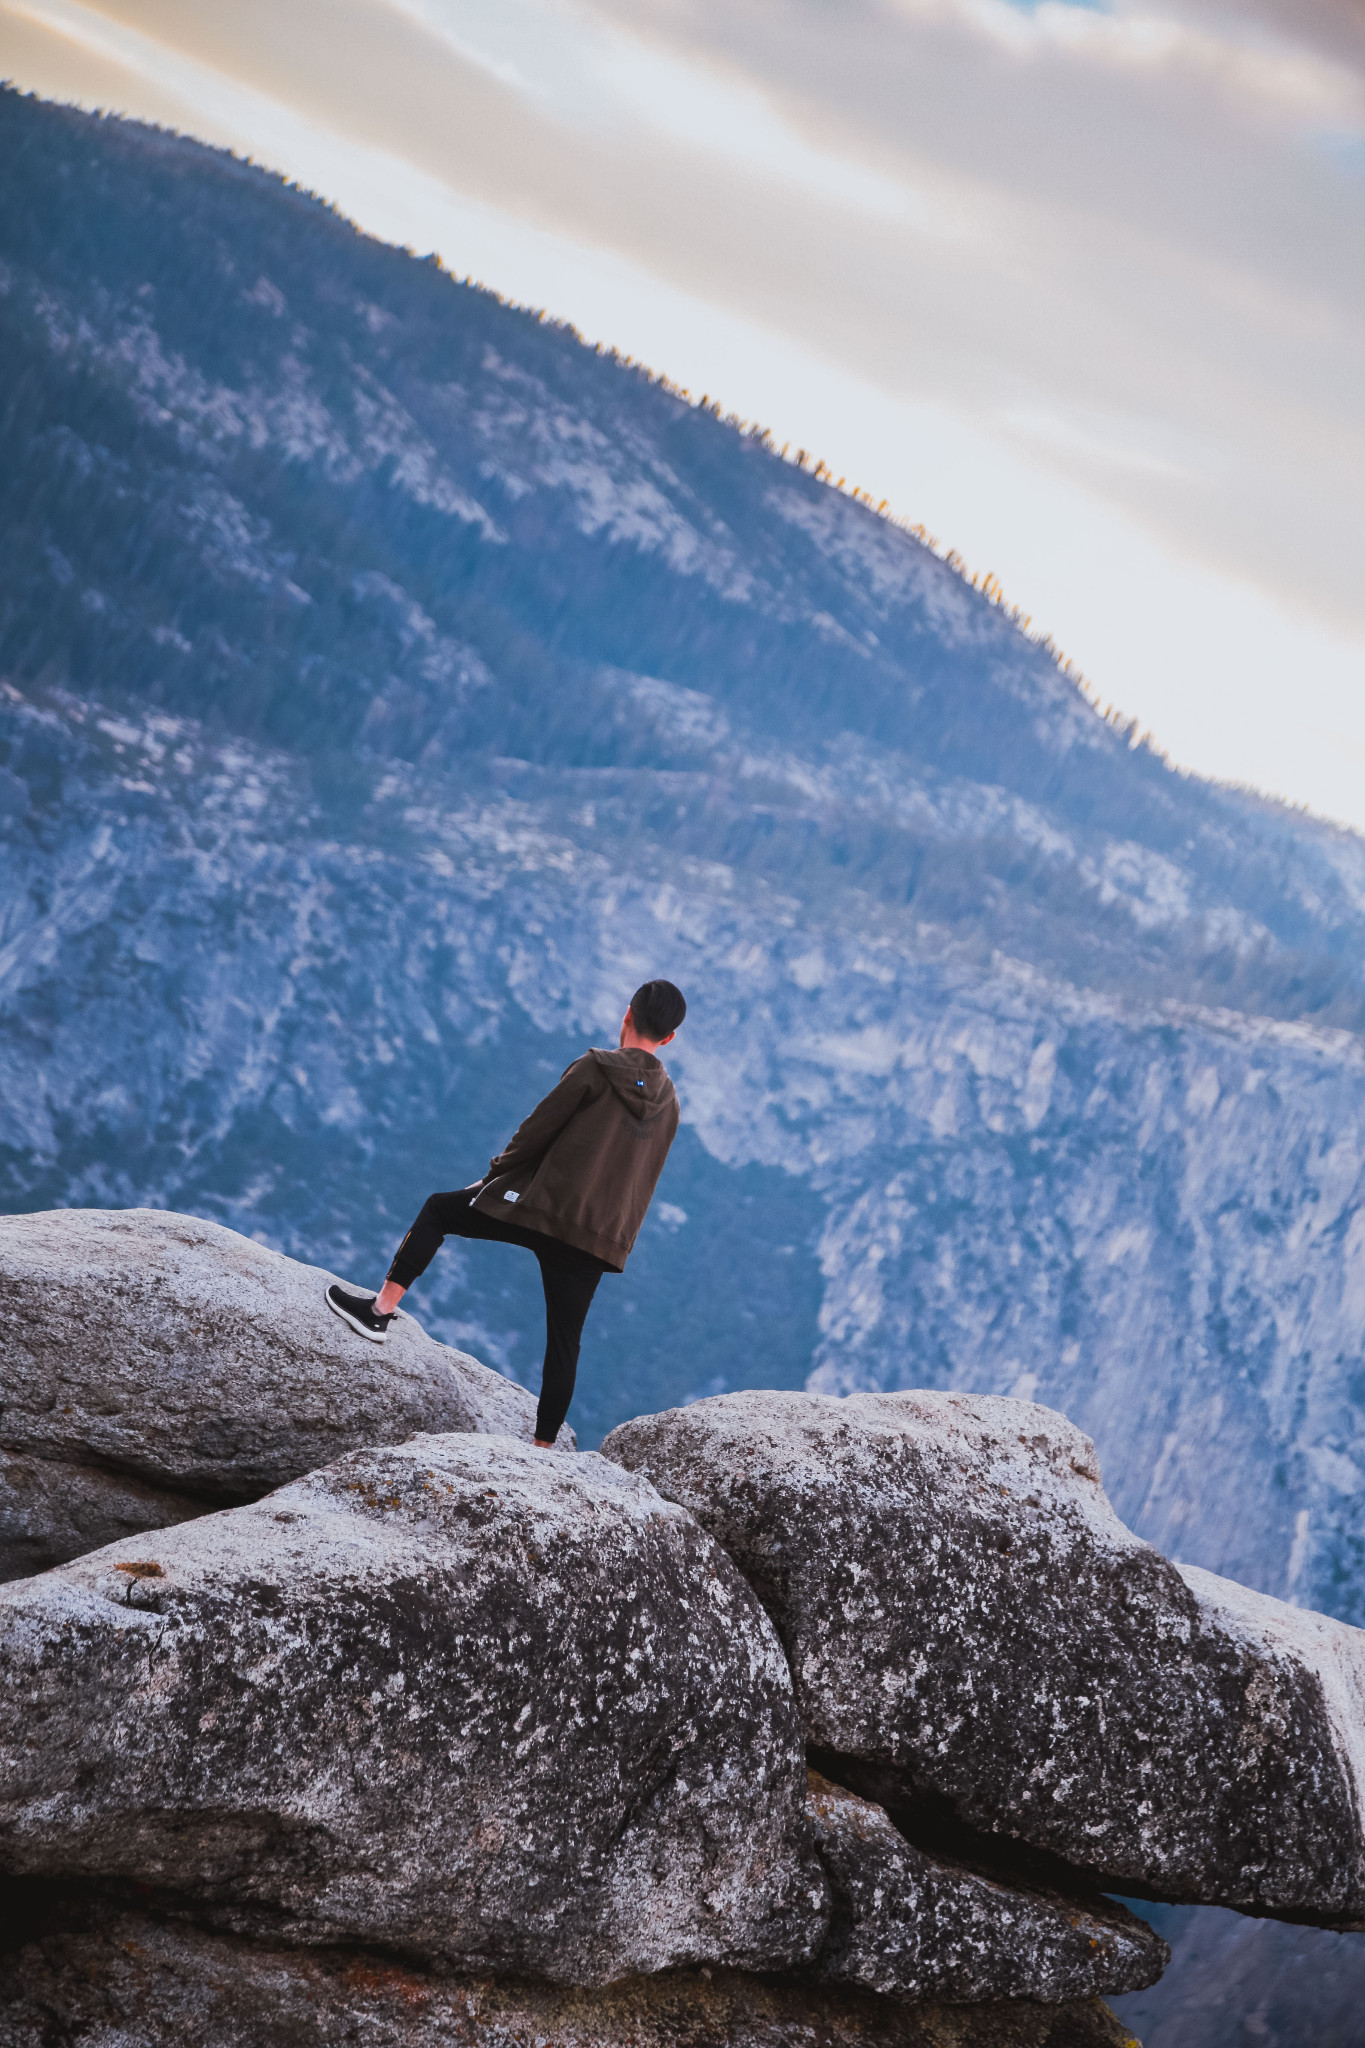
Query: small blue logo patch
[639, 1084]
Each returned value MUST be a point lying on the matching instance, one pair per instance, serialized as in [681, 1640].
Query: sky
[1079, 287]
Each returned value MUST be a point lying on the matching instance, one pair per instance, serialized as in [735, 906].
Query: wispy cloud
[600, 81]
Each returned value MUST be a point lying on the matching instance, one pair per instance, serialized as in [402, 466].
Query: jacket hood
[638, 1078]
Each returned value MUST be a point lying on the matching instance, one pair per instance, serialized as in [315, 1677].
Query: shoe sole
[375, 1336]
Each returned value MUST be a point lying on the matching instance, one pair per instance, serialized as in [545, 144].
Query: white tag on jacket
[511, 1196]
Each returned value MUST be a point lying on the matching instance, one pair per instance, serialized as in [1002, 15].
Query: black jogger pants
[568, 1276]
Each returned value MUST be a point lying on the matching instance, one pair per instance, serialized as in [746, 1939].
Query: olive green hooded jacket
[584, 1165]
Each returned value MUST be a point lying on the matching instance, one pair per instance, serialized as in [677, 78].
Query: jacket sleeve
[534, 1136]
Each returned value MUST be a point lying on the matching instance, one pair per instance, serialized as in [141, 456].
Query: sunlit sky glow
[1079, 287]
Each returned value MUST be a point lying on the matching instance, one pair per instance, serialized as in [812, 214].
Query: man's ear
[670, 1038]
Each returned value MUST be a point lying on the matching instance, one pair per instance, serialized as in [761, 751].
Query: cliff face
[391, 683]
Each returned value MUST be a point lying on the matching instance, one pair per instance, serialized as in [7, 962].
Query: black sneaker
[358, 1311]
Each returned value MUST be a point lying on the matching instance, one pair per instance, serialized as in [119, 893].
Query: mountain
[391, 682]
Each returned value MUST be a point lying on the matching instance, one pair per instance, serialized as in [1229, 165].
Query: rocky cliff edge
[786, 1719]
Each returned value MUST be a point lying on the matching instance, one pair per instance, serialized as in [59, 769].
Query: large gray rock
[909, 1925]
[472, 1701]
[102, 1976]
[166, 1364]
[967, 1620]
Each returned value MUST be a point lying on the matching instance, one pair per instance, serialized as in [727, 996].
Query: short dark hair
[657, 1008]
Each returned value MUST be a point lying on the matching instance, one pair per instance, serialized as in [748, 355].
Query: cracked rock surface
[164, 1364]
[100, 1973]
[967, 1621]
[500, 1707]
[912, 1926]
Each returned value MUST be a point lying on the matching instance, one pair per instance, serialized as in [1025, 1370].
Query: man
[578, 1178]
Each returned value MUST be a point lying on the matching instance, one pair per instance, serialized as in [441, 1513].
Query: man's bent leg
[440, 1217]
[570, 1284]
